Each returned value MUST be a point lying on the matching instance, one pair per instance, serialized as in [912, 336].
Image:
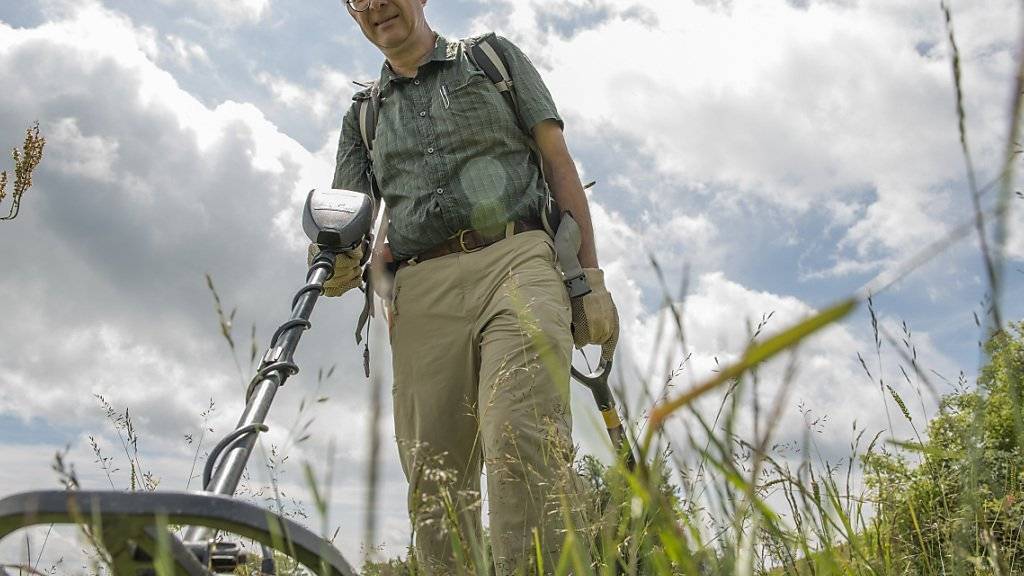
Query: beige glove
[594, 317]
[348, 274]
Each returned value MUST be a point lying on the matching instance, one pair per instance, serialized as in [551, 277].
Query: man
[480, 319]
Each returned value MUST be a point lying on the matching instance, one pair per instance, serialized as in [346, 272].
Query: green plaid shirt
[449, 154]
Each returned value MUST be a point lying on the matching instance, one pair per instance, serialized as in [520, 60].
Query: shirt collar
[444, 50]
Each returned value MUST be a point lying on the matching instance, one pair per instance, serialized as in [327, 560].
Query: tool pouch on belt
[594, 318]
[567, 246]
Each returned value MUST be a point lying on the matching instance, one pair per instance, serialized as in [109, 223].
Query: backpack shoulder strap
[367, 103]
[485, 53]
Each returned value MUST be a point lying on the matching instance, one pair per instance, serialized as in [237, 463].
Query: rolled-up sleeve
[351, 164]
[532, 95]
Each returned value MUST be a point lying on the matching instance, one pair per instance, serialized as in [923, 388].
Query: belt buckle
[462, 242]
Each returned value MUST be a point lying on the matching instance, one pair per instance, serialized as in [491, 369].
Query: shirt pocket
[462, 96]
[465, 81]
[470, 100]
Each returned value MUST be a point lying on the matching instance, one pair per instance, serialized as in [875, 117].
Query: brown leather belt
[470, 241]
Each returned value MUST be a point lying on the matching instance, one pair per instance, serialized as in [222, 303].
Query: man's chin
[387, 42]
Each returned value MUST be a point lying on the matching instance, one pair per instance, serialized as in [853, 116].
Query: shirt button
[423, 113]
[430, 150]
[416, 82]
[440, 190]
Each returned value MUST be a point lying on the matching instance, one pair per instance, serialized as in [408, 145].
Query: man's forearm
[564, 182]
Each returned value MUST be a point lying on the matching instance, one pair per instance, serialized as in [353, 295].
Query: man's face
[390, 23]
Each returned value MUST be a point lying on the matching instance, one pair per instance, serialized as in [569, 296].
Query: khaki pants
[481, 351]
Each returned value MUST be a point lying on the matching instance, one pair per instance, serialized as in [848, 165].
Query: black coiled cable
[322, 260]
[224, 444]
[272, 369]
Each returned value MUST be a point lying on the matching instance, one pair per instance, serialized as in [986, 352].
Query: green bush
[961, 510]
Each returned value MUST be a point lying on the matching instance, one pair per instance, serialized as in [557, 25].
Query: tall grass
[26, 160]
[948, 500]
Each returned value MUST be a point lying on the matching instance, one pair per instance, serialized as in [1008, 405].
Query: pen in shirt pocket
[444, 96]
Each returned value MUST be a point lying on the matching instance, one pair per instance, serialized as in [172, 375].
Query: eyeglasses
[358, 5]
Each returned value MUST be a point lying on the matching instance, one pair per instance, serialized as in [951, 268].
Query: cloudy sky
[784, 153]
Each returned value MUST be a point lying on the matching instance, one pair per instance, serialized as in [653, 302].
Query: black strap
[364, 319]
[367, 112]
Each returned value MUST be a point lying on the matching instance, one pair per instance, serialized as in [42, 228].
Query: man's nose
[374, 4]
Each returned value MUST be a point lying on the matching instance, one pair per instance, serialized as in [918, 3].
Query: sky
[771, 156]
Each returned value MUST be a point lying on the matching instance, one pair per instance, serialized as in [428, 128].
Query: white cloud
[898, 224]
[78, 155]
[229, 13]
[161, 389]
[325, 100]
[718, 318]
[185, 52]
[252, 10]
[697, 234]
[768, 104]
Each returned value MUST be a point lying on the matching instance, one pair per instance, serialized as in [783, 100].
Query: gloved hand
[348, 271]
[594, 317]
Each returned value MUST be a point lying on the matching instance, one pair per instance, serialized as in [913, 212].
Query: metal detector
[134, 529]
